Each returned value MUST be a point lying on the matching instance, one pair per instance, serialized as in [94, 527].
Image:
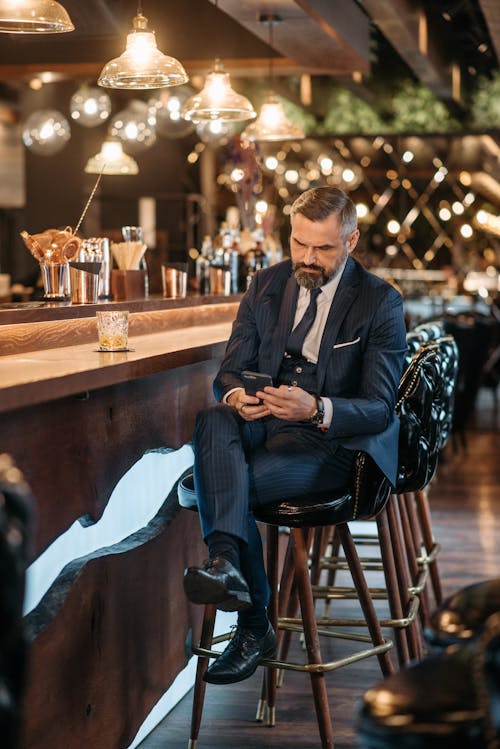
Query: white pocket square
[347, 343]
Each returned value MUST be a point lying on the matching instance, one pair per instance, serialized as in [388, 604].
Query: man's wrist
[318, 413]
[227, 396]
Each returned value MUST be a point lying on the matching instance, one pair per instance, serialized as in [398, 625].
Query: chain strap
[425, 354]
[360, 464]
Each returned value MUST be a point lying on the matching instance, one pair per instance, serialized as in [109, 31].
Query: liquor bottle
[202, 265]
[255, 258]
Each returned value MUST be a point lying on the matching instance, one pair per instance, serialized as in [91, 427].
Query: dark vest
[298, 372]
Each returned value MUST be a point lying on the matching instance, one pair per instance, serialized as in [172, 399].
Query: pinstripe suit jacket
[360, 359]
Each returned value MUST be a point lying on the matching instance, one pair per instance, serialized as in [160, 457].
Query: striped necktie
[298, 334]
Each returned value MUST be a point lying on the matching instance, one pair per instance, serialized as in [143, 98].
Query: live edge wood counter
[113, 631]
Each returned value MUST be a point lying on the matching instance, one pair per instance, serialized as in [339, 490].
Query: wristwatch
[319, 414]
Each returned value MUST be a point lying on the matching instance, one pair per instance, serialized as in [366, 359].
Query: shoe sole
[232, 680]
[200, 589]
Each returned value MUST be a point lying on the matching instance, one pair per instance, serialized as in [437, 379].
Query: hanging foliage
[347, 113]
[417, 110]
[485, 108]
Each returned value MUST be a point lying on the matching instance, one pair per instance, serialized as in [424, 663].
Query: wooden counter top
[44, 361]
[29, 312]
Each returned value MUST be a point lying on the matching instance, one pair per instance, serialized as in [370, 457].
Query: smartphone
[254, 381]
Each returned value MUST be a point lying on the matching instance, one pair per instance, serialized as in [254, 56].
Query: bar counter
[110, 631]
[43, 357]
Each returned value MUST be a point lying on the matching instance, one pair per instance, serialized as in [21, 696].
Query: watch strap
[319, 414]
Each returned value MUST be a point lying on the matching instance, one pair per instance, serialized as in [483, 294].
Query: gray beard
[310, 281]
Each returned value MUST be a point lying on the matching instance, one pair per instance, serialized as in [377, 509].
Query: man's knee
[215, 417]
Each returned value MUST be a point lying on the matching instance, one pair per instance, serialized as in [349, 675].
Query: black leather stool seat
[371, 491]
[462, 615]
[186, 493]
[447, 701]
[363, 498]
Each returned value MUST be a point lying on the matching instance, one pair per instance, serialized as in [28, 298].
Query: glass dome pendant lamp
[34, 17]
[142, 65]
[217, 100]
[272, 124]
[111, 159]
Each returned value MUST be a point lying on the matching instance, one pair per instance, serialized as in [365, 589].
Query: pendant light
[111, 159]
[272, 124]
[34, 17]
[217, 100]
[46, 132]
[142, 65]
[90, 106]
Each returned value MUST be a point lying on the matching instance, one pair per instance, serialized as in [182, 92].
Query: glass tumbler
[112, 330]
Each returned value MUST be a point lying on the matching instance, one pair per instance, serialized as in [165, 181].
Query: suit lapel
[344, 296]
[285, 322]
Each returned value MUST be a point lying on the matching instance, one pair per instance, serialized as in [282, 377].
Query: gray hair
[318, 203]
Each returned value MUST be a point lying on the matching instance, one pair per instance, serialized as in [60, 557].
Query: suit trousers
[243, 464]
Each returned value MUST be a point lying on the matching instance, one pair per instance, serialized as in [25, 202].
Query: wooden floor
[465, 500]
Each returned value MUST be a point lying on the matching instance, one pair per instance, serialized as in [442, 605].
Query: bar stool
[399, 533]
[419, 453]
[411, 487]
[365, 497]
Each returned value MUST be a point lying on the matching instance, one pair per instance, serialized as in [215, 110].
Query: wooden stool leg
[322, 537]
[411, 554]
[335, 548]
[272, 576]
[207, 632]
[391, 582]
[288, 605]
[403, 575]
[426, 525]
[318, 684]
[286, 637]
[409, 500]
[364, 596]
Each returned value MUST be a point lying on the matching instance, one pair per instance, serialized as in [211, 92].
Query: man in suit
[332, 336]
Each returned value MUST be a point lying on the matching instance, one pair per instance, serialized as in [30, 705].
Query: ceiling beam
[403, 23]
[247, 68]
[491, 13]
[323, 37]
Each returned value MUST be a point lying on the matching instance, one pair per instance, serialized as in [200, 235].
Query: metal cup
[84, 282]
[56, 283]
[220, 280]
[174, 280]
[96, 249]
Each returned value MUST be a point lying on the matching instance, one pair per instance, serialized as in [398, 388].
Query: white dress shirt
[312, 342]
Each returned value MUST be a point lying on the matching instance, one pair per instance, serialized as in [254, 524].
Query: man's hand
[288, 403]
[248, 406]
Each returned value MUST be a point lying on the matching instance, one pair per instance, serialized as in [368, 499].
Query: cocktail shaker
[97, 250]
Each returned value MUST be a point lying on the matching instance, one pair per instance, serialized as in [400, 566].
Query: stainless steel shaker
[97, 250]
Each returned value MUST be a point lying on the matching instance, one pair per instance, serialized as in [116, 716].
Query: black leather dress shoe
[217, 582]
[462, 615]
[447, 701]
[241, 657]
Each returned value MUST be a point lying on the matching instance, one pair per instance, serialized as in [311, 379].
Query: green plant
[417, 110]
[485, 107]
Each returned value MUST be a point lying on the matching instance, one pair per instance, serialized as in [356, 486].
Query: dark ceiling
[374, 42]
